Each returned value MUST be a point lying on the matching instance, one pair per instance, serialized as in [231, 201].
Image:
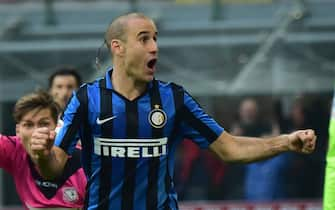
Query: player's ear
[117, 47]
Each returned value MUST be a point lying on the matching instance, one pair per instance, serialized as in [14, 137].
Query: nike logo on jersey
[100, 122]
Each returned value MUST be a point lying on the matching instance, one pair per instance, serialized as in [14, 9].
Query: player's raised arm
[49, 158]
[248, 149]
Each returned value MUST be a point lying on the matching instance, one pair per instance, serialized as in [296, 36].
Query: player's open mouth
[152, 63]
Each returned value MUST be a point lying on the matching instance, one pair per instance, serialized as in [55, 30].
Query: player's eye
[59, 86]
[145, 39]
[44, 124]
[28, 125]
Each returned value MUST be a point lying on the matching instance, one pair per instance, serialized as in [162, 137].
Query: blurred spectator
[264, 180]
[308, 114]
[211, 171]
[62, 82]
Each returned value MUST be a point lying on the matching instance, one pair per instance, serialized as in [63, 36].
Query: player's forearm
[50, 166]
[254, 149]
[247, 149]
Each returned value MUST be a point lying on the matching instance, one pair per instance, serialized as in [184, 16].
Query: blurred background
[259, 67]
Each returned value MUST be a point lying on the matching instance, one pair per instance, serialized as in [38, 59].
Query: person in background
[67, 191]
[193, 159]
[264, 180]
[62, 83]
[308, 169]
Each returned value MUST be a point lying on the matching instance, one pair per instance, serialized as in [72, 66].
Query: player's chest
[121, 118]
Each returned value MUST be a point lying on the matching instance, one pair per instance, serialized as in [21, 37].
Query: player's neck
[127, 86]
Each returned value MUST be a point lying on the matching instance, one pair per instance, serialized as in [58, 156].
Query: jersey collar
[108, 78]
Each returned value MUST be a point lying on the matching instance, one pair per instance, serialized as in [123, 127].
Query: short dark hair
[65, 71]
[39, 99]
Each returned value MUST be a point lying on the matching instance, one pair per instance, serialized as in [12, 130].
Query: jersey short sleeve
[8, 146]
[196, 124]
[68, 136]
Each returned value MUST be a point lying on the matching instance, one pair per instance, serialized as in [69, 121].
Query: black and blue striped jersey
[128, 146]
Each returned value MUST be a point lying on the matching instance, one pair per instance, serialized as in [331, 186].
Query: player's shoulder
[11, 143]
[89, 87]
[168, 85]
[11, 139]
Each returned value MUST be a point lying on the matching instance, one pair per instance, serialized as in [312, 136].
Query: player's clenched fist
[302, 141]
[41, 142]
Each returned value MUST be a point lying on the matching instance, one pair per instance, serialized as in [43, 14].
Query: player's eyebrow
[26, 121]
[44, 118]
[145, 32]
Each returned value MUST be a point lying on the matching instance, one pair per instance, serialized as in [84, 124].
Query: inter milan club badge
[157, 117]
